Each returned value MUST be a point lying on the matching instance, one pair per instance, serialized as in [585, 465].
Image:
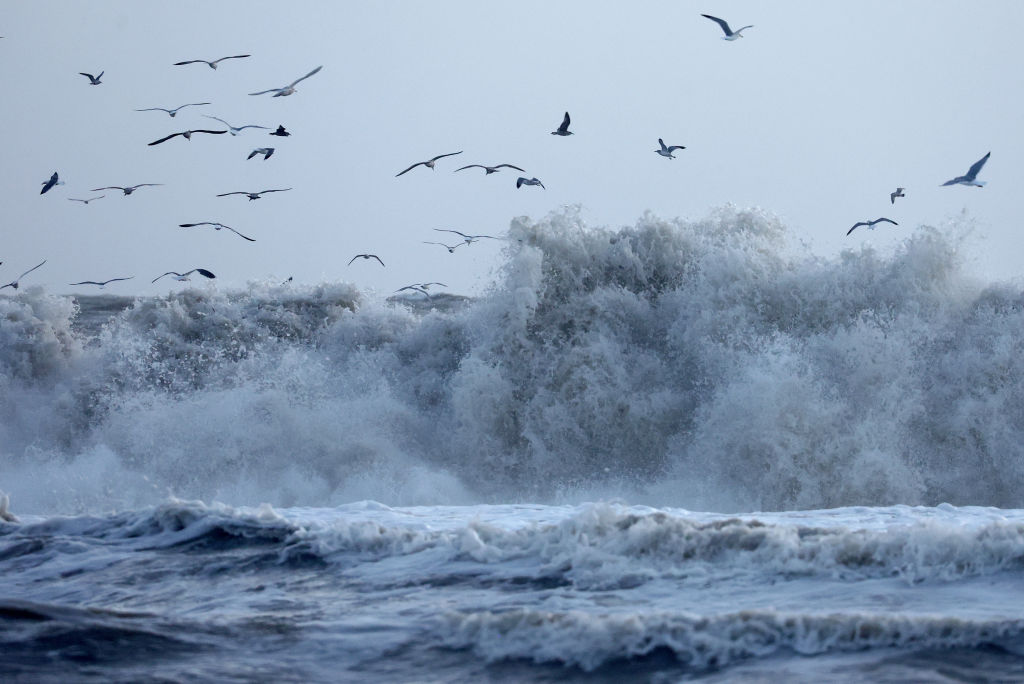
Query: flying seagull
[187, 135]
[100, 284]
[14, 283]
[488, 170]
[47, 184]
[894, 195]
[172, 112]
[520, 182]
[870, 224]
[185, 276]
[235, 130]
[265, 151]
[93, 80]
[85, 201]
[414, 288]
[290, 88]
[252, 195]
[429, 163]
[564, 128]
[365, 256]
[213, 64]
[451, 248]
[972, 173]
[280, 131]
[729, 33]
[469, 239]
[667, 150]
[216, 226]
[127, 190]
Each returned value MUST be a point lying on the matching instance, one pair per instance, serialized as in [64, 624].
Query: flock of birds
[968, 179]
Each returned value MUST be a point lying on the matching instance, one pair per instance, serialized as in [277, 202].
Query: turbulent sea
[668, 452]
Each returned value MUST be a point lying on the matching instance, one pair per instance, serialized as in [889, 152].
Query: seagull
[85, 201]
[47, 184]
[185, 276]
[290, 88]
[365, 256]
[127, 191]
[265, 151]
[667, 150]
[216, 226]
[972, 173]
[450, 248]
[870, 224]
[520, 182]
[213, 64]
[488, 170]
[280, 131]
[235, 130]
[100, 284]
[729, 33]
[429, 163]
[252, 195]
[469, 239]
[93, 80]
[187, 135]
[14, 283]
[894, 195]
[564, 128]
[415, 288]
[172, 112]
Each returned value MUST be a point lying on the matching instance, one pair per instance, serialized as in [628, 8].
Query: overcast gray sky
[816, 115]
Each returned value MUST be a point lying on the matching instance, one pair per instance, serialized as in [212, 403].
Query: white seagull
[365, 256]
[216, 226]
[488, 170]
[93, 80]
[451, 248]
[729, 33]
[213, 64]
[187, 135]
[894, 195]
[265, 151]
[14, 283]
[235, 130]
[972, 173]
[85, 201]
[185, 276]
[870, 224]
[172, 112]
[252, 195]
[47, 184]
[290, 88]
[429, 163]
[520, 182]
[564, 128]
[667, 150]
[126, 190]
[469, 239]
[100, 284]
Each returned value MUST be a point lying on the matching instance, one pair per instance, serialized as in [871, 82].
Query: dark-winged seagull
[213, 64]
[667, 150]
[429, 163]
[216, 226]
[172, 112]
[85, 201]
[365, 256]
[265, 151]
[252, 195]
[185, 276]
[126, 190]
[894, 195]
[93, 80]
[280, 131]
[971, 175]
[187, 135]
[564, 128]
[235, 130]
[870, 224]
[488, 170]
[14, 283]
[48, 184]
[729, 33]
[520, 182]
[290, 88]
[100, 284]
[469, 239]
[451, 248]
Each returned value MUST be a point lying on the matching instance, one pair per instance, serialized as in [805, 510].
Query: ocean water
[680, 450]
